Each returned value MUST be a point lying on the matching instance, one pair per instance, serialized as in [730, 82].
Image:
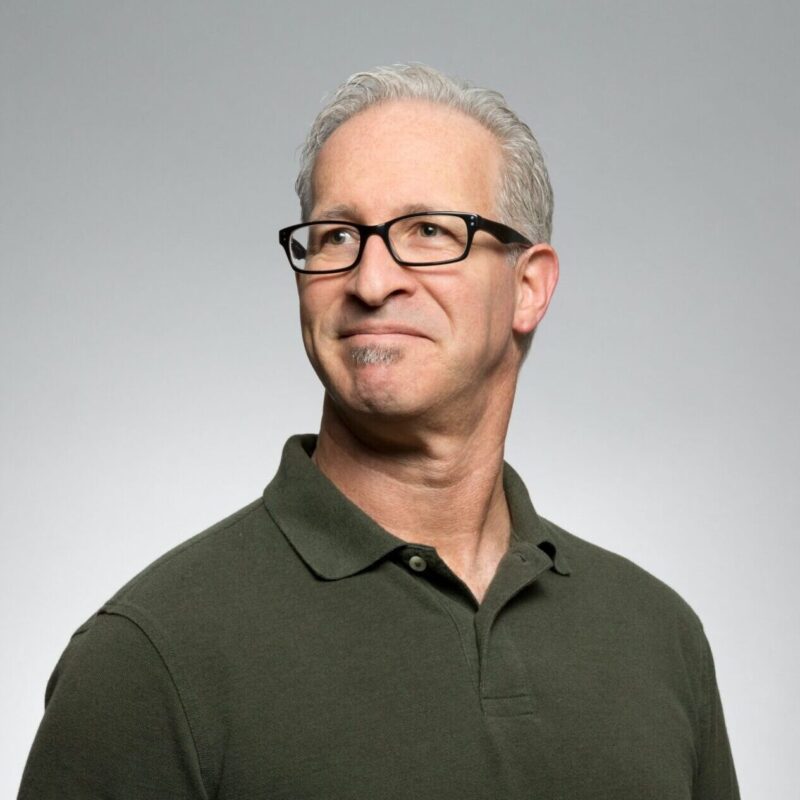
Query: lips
[381, 330]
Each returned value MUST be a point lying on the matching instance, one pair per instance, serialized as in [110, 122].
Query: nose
[377, 277]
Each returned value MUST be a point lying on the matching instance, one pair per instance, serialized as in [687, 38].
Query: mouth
[380, 332]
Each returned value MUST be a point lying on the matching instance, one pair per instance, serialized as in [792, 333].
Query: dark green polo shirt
[298, 650]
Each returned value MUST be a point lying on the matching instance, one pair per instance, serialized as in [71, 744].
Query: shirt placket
[500, 677]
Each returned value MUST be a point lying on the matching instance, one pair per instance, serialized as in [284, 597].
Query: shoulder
[228, 565]
[620, 588]
[224, 540]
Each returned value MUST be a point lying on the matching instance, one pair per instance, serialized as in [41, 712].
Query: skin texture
[420, 365]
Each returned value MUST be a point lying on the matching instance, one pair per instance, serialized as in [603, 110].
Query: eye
[339, 236]
[428, 230]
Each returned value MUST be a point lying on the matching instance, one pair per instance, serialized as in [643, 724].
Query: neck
[442, 488]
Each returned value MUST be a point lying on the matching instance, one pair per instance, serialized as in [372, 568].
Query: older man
[392, 619]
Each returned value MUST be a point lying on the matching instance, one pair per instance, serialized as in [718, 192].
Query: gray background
[150, 354]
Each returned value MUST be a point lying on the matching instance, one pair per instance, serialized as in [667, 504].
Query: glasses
[414, 240]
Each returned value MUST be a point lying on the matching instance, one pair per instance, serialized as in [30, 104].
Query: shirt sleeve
[114, 725]
[716, 775]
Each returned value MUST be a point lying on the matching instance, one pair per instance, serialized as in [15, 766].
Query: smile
[381, 331]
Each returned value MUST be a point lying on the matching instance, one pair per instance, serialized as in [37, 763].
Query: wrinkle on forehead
[347, 213]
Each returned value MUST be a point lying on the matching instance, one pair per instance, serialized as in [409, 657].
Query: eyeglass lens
[421, 239]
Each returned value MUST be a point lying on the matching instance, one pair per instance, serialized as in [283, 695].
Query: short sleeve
[114, 725]
[716, 775]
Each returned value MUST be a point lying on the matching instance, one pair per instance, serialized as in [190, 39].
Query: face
[403, 341]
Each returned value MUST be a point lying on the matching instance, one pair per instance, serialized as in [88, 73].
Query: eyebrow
[344, 211]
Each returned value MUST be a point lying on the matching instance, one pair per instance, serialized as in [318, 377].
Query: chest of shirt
[384, 685]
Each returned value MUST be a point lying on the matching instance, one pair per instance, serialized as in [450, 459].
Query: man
[393, 619]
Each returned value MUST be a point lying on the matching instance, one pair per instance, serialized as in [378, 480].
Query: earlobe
[536, 276]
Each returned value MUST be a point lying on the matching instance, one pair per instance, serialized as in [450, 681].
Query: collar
[337, 539]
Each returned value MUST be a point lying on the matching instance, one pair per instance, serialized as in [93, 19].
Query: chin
[383, 379]
[380, 389]
[380, 395]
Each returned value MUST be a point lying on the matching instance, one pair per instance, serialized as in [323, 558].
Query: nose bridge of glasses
[382, 232]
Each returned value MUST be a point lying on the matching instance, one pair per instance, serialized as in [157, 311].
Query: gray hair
[525, 197]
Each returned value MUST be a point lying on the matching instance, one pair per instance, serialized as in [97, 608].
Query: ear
[536, 278]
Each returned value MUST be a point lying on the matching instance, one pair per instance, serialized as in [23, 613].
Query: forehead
[408, 153]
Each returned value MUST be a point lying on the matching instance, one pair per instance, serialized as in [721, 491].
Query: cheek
[314, 301]
[311, 319]
[487, 312]
[306, 314]
[321, 298]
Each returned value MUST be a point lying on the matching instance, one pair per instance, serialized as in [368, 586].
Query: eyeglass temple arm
[502, 232]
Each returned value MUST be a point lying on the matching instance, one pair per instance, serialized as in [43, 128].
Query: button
[417, 563]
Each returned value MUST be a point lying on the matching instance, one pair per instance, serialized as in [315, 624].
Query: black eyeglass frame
[474, 222]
